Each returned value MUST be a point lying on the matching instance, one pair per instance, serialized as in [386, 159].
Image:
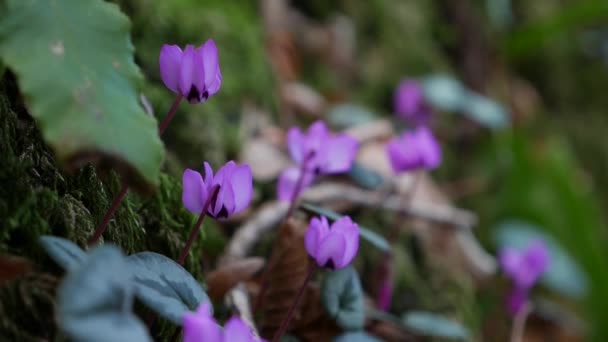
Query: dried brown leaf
[223, 279]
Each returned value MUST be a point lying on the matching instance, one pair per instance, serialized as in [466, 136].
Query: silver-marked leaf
[342, 298]
[434, 325]
[563, 274]
[367, 234]
[64, 252]
[165, 286]
[356, 336]
[95, 300]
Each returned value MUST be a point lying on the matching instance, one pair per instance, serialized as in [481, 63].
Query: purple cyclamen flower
[413, 150]
[200, 326]
[194, 72]
[332, 247]
[410, 103]
[524, 268]
[317, 151]
[235, 190]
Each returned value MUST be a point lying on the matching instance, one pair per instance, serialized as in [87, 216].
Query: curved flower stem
[385, 271]
[292, 205]
[101, 227]
[196, 229]
[311, 270]
[519, 323]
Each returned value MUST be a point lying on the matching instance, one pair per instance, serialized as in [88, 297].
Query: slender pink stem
[259, 300]
[101, 227]
[277, 336]
[519, 323]
[196, 229]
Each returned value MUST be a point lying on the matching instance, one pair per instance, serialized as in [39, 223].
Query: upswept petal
[225, 203]
[214, 87]
[401, 154]
[430, 151]
[510, 260]
[200, 328]
[225, 172]
[315, 137]
[208, 175]
[194, 193]
[295, 144]
[170, 63]
[317, 230]
[537, 256]
[235, 330]
[287, 182]
[208, 55]
[331, 248]
[242, 186]
[187, 71]
[350, 231]
[340, 152]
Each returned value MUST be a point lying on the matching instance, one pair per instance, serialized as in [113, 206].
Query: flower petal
[214, 87]
[236, 330]
[187, 71]
[350, 231]
[510, 260]
[288, 180]
[208, 174]
[224, 204]
[317, 230]
[429, 148]
[170, 63]
[200, 328]
[242, 186]
[340, 152]
[225, 172]
[330, 252]
[402, 153]
[194, 193]
[295, 143]
[210, 61]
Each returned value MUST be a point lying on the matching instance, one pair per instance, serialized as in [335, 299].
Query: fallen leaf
[221, 280]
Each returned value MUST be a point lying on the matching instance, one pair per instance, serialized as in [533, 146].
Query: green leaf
[95, 300]
[356, 336]
[165, 286]
[74, 64]
[64, 252]
[342, 298]
[563, 274]
[430, 324]
[364, 177]
[370, 236]
[348, 115]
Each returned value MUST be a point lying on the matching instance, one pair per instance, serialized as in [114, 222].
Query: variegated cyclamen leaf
[165, 286]
[342, 297]
[64, 252]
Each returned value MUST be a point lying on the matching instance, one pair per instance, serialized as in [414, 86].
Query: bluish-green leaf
[369, 235]
[348, 115]
[165, 286]
[364, 177]
[356, 336]
[95, 300]
[444, 92]
[342, 298]
[433, 325]
[64, 252]
[563, 274]
[485, 111]
[74, 65]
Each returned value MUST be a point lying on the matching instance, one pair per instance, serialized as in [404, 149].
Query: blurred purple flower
[315, 152]
[410, 104]
[524, 268]
[235, 190]
[200, 326]
[332, 247]
[194, 72]
[413, 150]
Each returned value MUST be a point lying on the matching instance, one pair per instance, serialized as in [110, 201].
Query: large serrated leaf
[95, 300]
[64, 252]
[165, 286]
[74, 64]
[342, 298]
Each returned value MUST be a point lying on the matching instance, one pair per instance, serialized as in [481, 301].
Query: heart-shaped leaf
[64, 252]
[356, 336]
[367, 234]
[563, 275]
[165, 286]
[342, 297]
[430, 324]
[95, 300]
[74, 64]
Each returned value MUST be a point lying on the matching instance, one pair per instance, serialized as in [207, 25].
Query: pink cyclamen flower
[317, 152]
[200, 326]
[414, 150]
[194, 72]
[524, 268]
[410, 103]
[235, 190]
[332, 247]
